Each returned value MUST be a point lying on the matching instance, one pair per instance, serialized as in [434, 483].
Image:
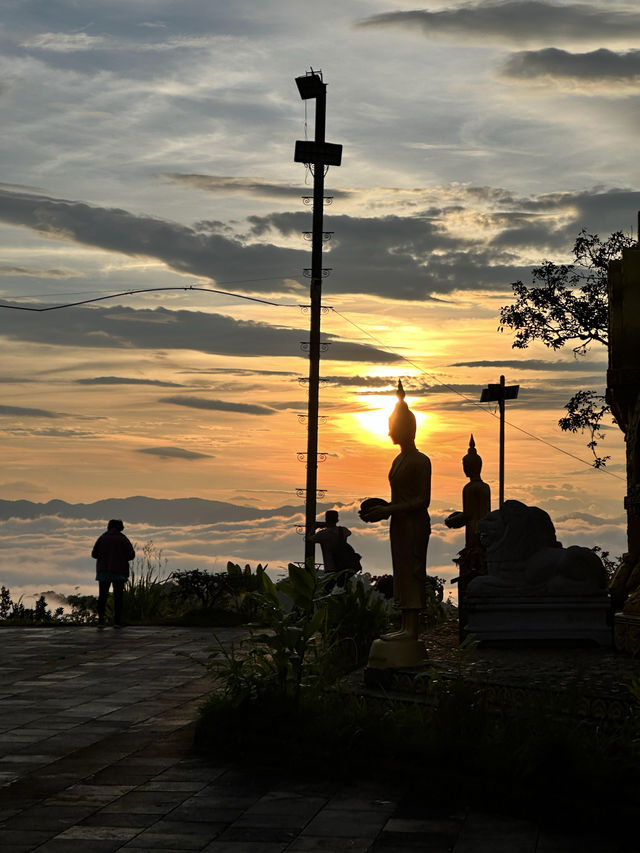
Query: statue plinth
[626, 626]
[397, 653]
[626, 632]
[545, 617]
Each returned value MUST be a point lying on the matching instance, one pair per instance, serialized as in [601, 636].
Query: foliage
[520, 755]
[313, 633]
[196, 587]
[568, 304]
[585, 411]
[434, 612]
[610, 565]
[276, 664]
[84, 608]
[5, 603]
[146, 594]
[153, 596]
[356, 615]
[241, 584]
[384, 585]
[222, 597]
[15, 613]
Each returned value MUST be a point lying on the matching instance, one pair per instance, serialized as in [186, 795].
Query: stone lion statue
[525, 558]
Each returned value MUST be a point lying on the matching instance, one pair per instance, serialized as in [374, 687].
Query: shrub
[312, 635]
[5, 603]
[356, 614]
[277, 664]
[242, 584]
[146, 597]
[196, 588]
[434, 612]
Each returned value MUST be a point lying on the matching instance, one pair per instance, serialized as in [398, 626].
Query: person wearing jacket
[112, 553]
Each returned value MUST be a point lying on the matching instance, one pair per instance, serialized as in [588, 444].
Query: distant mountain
[180, 512]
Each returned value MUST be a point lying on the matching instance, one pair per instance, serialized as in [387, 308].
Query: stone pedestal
[397, 654]
[539, 618]
[626, 633]
[404, 684]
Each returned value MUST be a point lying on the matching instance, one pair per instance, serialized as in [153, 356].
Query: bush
[146, 592]
[434, 612]
[15, 613]
[198, 589]
[311, 636]
[356, 615]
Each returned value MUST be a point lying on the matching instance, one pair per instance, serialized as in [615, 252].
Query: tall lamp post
[318, 155]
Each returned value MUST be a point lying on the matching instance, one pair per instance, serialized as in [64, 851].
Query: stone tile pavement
[95, 737]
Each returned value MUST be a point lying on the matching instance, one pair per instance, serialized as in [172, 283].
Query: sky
[150, 145]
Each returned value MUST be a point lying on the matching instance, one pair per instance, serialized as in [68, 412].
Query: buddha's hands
[376, 513]
[456, 519]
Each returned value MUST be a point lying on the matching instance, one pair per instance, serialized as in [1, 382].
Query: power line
[142, 290]
[105, 290]
[469, 400]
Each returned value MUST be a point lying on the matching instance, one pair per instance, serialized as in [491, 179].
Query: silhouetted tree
[568, 304]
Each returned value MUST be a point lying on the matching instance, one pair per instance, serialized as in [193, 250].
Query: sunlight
[374, 422]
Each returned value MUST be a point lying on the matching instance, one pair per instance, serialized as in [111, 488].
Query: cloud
[594, 67]
[236, 371]
[65, 42]
[364, 381]
[576, 365]
[397, 257]
[558, 216]
[22, 488]
[218, 405]
[422, 256]
[124, 380]
[173, 453]
[250, 187]
[391, 256]
[182, 248]
[34, 272]
[165, 329]
[21, 411]
[50, 432]
[517, 22]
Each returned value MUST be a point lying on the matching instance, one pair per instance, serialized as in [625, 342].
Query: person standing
[112, 553]
[337, 553]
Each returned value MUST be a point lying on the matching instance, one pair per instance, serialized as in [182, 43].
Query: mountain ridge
[139, 509]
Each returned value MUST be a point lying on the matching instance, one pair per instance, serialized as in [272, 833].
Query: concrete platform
[95, 737]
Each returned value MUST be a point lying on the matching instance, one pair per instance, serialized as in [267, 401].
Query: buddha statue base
[397, 652]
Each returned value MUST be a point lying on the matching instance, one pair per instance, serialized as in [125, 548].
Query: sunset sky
[150, 144]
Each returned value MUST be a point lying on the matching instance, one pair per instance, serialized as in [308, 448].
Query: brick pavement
[95, 736]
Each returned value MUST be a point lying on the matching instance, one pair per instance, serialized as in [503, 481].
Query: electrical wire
[142, 290]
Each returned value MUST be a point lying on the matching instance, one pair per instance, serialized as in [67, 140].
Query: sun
[374, 422]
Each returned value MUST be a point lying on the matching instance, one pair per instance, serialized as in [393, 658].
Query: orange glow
[374, 422]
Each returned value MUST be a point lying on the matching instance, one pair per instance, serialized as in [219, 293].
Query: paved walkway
[95, 736]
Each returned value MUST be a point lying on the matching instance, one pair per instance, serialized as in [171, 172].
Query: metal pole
[314, 334]
[501, 404]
